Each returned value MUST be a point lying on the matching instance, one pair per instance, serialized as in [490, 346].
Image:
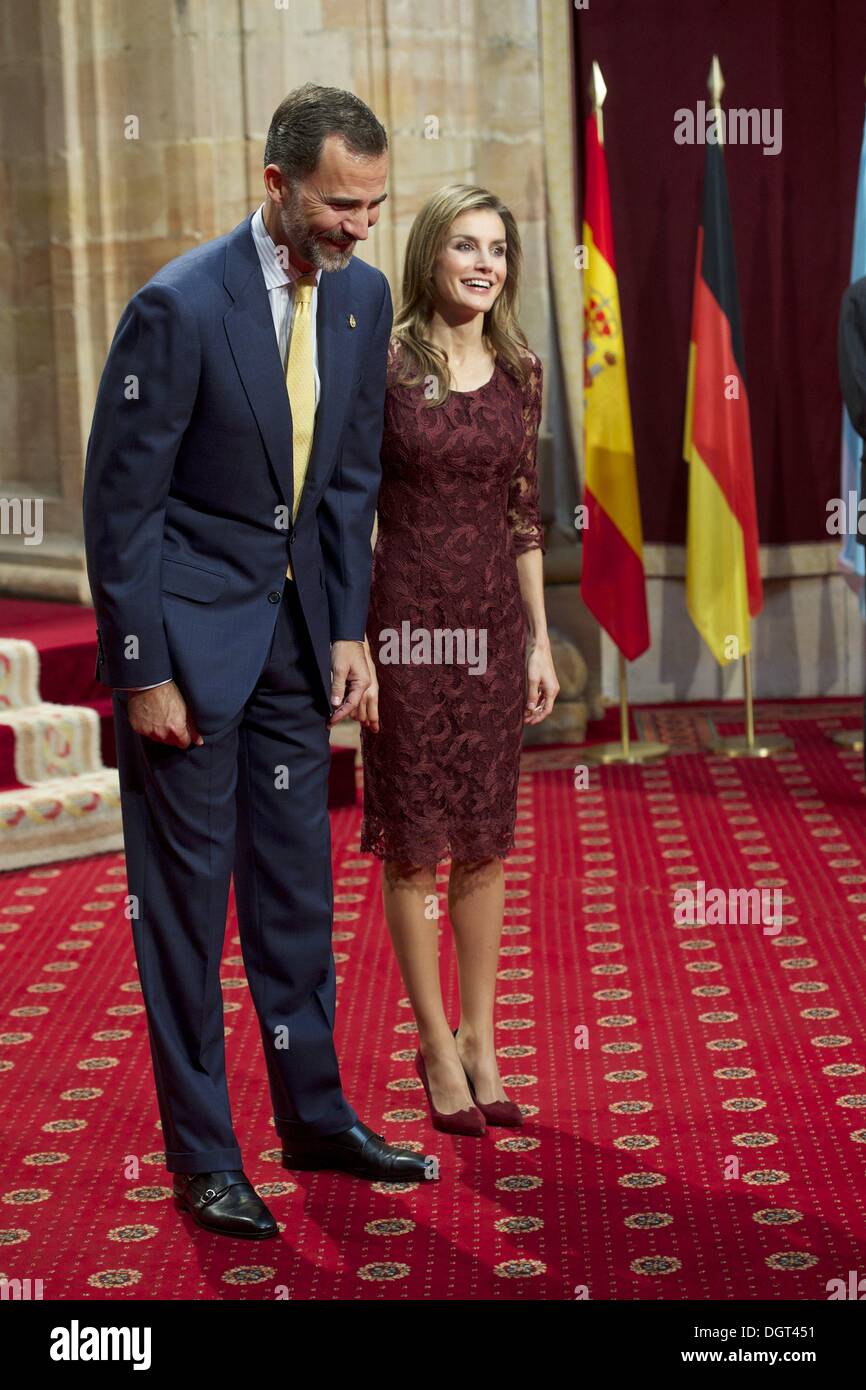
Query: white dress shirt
[280, 275]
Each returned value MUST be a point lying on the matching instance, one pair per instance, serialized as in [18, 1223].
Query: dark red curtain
[792, 216]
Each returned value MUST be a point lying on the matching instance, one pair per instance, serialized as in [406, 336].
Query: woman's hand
[543, 685]
[367, 712]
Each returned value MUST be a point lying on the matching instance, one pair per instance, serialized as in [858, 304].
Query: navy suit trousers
[252, 801]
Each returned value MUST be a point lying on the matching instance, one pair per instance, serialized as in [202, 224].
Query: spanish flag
[612, 581]
[723, 580]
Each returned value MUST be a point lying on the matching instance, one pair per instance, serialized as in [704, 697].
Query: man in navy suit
[229, 496]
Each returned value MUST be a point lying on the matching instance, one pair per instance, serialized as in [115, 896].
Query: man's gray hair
[308, 115]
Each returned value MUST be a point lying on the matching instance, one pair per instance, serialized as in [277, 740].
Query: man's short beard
[313, 249]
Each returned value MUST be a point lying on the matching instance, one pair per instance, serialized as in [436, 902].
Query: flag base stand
[740, 746]
[628, 750]
[746, 745]
[850, 738]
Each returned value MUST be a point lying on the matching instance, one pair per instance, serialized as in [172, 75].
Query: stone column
[123, 144]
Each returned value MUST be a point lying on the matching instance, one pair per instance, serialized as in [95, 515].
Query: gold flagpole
[623, 705]
[625, 751]
[739, 745]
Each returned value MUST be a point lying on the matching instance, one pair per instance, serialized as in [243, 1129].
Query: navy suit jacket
[852, 366]
[188, 481]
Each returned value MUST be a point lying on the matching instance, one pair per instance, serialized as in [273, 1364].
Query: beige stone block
[22, 33]
[196, 173]
[147, 256]
[32, 277]
[234, 210]
[72, 471]
[65, 327]
[34, 423]
[424, 92]
[37, 470]
[224, 118]
[101, 104]
[26, 341]
[7, 174]
[36, 203]
[157, 86]
[140, 189]
[516, 173]
[269, 78]
[147, 24]
[342, 14]
[77, 275]
[109, 30]
[22, 133]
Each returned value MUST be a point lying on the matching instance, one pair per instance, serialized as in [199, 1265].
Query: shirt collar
[276, 274]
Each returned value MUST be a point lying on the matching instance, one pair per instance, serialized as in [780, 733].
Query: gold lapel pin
[352, 323]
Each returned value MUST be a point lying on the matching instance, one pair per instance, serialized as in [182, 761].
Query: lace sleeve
[524, 517]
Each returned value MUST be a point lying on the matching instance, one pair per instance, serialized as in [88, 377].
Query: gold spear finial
[715, 87]
[597, 94]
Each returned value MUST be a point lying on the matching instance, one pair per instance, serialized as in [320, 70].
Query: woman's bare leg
[410, 899]
[476, 903]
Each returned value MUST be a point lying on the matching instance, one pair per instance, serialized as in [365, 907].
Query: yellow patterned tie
[301, 386]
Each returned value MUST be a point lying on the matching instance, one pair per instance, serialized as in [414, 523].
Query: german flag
[612, 582]
[723, 580]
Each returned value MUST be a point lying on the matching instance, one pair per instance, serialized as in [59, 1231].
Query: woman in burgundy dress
[457, 581]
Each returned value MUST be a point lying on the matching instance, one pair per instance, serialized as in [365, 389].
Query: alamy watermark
[738, 126]
[846, 518]
[77, 1343]
[704, 906]
[22, 516]
[441, 646]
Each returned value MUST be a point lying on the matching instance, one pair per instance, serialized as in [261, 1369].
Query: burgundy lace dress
[458, 503]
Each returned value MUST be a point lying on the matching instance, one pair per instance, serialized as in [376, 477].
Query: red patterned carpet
[704, 1137]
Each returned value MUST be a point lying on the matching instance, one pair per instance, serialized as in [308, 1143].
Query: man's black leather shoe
[225, 1203]
[358, 1151]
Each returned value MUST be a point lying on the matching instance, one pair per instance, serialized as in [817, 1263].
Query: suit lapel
[250, 331]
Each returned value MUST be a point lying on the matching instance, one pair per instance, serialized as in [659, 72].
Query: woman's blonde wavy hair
[421, 360]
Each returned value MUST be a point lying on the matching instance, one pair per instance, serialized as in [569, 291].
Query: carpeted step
[64, 818]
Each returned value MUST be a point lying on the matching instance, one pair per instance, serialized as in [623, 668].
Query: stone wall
[130, 130]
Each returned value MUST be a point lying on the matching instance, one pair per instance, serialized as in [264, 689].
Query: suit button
[274, 597]
[292, 538]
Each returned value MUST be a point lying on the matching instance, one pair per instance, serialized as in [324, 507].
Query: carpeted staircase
[58, 800]
[59, 792]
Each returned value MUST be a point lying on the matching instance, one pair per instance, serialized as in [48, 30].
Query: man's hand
[162, 714]
[350, 677]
